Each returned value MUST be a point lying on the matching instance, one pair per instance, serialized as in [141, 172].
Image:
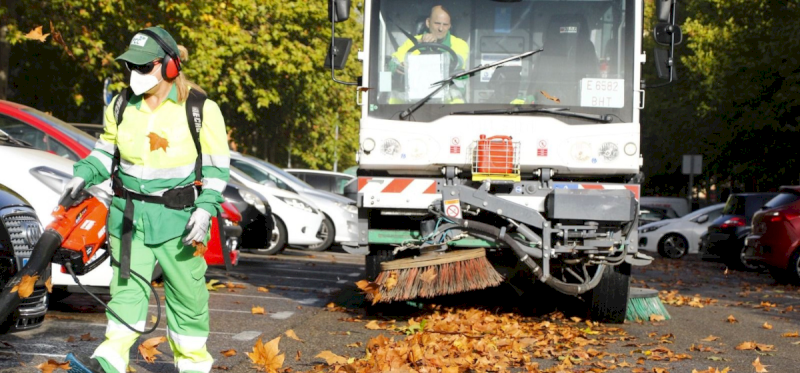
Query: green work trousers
[186, 305]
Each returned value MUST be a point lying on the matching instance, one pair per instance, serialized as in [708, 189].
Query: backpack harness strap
[177, 198]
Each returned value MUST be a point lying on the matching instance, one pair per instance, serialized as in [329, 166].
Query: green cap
[144, 49]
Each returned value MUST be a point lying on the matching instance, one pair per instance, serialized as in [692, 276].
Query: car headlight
[650, 228]
[296, 203]
[254, 200]
[349, 207]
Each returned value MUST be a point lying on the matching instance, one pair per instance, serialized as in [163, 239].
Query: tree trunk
[5, 46]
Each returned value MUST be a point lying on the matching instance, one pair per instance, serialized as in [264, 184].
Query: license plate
[602, 92]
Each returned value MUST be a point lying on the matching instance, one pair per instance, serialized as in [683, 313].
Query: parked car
[328, 181]
[257, 222]
[775, 239]
[727, 233]
[297, 221]
[650, 214]
[40, 177]
[677, 204]
[44, 131]
[341, 214]
[19, 230]
[676, 237]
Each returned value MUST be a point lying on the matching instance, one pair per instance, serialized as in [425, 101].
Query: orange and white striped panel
[402, 193]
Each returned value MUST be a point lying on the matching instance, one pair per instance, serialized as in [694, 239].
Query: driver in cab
[438, 33]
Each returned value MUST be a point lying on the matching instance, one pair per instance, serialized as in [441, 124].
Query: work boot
[83, 364]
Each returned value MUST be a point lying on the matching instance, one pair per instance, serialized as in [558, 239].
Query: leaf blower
[74, 239]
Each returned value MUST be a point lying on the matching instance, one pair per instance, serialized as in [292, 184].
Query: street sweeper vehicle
[500, 141]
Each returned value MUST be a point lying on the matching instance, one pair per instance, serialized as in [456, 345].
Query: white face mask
[141, 83]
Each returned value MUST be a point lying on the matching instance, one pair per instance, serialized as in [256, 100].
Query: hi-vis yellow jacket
[157, 153]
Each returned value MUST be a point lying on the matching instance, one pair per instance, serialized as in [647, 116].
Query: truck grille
[24, 230]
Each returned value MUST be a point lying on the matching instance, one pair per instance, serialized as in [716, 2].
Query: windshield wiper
[443, 83]
[603, 118]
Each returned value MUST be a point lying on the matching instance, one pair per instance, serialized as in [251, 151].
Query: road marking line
[292, 278]
[308, 301]
[282, 315]
[248, 335]
[216, 310]
[75, 323]
[354, 274]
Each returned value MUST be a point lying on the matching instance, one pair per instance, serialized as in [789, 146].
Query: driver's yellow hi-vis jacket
[457, 45]
[157, 153]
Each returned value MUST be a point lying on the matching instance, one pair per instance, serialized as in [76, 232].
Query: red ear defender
[170, 67]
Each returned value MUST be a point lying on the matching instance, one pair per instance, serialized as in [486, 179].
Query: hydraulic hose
[522, 253]
[40, 258]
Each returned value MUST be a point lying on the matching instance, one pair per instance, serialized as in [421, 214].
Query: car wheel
[327, 233]
[737, 259]
[673, 246]
[277, 241]
[793, 269]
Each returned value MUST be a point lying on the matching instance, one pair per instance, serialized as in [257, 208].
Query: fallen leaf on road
[149, 348]
[265, 355]
[256, 310]
[746, 346]
[712, 370]
[130, 369]
[153, 319]
[760, 368]
[88, 337]
[228, 353]
[213, 285]
[71, 339]
[51, 364]
[716, 358]
[766, 326]
[790, 335]
[297, 356]
[373, 325]
[290, 333]
[215, 367]
[660, 370]
[355, 345]
[710, 338]
[331, 358]
[263, 289]
[731, 319]
[655, 317]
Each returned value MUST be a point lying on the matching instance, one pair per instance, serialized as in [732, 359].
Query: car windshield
[258, 175]
[734, 206]
[585, 66]
[73, 132]
[700, 212]
[782, 199]
[287, 176]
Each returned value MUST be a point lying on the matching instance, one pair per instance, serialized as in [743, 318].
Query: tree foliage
[737, 100]
[262, 61]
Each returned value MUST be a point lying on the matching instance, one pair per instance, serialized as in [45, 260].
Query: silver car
[341, 214]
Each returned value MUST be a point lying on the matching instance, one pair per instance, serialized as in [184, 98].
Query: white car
[341, 214]
[40, 177]
[674, 238]
[297, 220]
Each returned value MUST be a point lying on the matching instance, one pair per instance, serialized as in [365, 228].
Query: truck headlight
[254, 200]
[296, 203]
[349, 207]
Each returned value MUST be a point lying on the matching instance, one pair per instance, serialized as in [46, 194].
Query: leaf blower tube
[525, 254]
[73, 239]
[40, 258]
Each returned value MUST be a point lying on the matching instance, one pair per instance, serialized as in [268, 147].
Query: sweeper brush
[433, 274]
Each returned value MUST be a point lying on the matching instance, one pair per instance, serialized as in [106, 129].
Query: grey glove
[197, 226]
[73, 187]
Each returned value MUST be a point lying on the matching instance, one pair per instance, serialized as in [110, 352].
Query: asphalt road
[303, 283]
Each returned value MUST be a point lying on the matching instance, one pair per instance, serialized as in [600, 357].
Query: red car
[775, 238]
[46, 132]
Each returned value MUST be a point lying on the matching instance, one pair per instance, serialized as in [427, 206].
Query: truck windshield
[586, 63]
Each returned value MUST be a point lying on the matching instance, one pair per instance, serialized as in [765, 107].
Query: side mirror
[665, 65]
[269, 183]
[338, 53]
[663, 33]
[702, 219]
[338, 10]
